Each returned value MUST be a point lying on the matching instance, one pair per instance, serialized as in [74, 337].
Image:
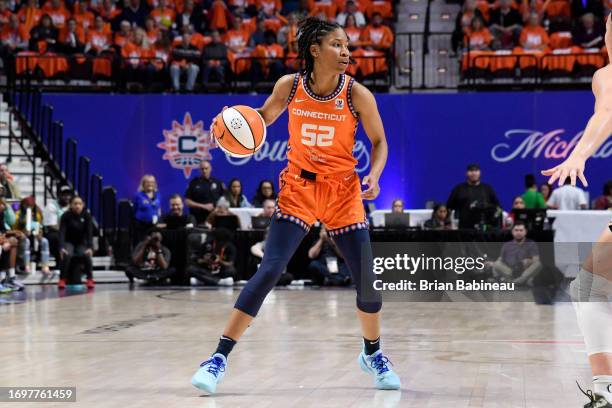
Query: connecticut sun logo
[186, 145]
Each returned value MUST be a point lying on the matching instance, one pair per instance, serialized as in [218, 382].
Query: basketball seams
[241, 139]
[250, 129]
[232, 133]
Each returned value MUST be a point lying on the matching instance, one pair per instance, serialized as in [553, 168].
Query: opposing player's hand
[373, 188]
[573, 168]
[212, 125]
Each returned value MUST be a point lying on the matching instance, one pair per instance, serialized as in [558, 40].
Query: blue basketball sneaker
[377, 364]
[210, 373]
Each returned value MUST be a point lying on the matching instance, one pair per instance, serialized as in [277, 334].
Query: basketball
[239, 131]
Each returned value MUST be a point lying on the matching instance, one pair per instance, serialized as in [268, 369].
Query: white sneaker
[226, 282]
[194, 282]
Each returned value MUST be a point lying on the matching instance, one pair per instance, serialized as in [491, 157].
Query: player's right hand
[573, 168]
[212, 125]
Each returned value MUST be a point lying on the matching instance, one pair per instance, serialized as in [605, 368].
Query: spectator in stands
[109, 11]
[397, 207]
[221, 210]
[353, 32]
[150, 261]
[163, 15]
[135, 13]
[203, 192]
[83, 15]
[9, 214]
[76, 240]
[52, 215]
[147, 207]
[185, 57]
[11, 191]
[44, 36]
[519, 261]
[28, 221]
[546, 190]
[176, 218]
[588, 34]
[287, 35]
[268, 65]
[376, 35]
[213, 263]
[9, 241]
[99, 38]
[269, 206]
[151, 30]
[124, 36]
[234, 195]
[264, 191]
[463, 22]
[214, 61]
[327, 266]
[478, 37]
[257, 250]
[534, 37]
[440, 219]
[14, 37]
[58, 13]
[532, 197]
[351, 10]
[137, 53]
[472, 198]
[582, 7]
[29, 15]
[505, 25]
[191, 15]
[258, 36]
[73, 40]
[161, 52]
[604, 202]
[517, 204]
[568, 197]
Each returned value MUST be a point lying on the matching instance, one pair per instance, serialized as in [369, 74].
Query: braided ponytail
[311, 30]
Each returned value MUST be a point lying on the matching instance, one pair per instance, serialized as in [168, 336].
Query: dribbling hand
[572, 167]
[373, 188]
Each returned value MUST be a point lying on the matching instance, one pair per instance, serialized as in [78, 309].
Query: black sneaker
[596, 400]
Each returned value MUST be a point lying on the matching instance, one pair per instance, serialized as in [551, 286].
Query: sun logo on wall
[187, 144]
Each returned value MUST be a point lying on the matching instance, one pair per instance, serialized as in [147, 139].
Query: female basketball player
[592, 288]
[319, 183]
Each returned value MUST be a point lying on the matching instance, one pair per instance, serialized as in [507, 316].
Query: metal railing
[46, 136]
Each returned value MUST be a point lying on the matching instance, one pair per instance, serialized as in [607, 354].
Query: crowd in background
[209, 204]
[63, 230]
[536, 28]
[31, 235]
[177, 42]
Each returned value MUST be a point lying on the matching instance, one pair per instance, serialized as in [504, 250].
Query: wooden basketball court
[139, 348]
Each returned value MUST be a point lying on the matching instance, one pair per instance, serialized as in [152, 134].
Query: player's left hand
[573, 168]
[373, 188]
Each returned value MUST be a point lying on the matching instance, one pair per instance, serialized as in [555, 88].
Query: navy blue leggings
[284, 238]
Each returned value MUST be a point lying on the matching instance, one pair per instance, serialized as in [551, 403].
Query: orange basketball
[239, 131]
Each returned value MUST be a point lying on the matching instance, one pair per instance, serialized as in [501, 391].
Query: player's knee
[369, 307]
[589, 287]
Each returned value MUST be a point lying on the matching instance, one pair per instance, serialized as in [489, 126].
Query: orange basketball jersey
[322, 128]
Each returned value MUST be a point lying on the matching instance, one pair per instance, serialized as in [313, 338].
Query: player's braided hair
[311, 30]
